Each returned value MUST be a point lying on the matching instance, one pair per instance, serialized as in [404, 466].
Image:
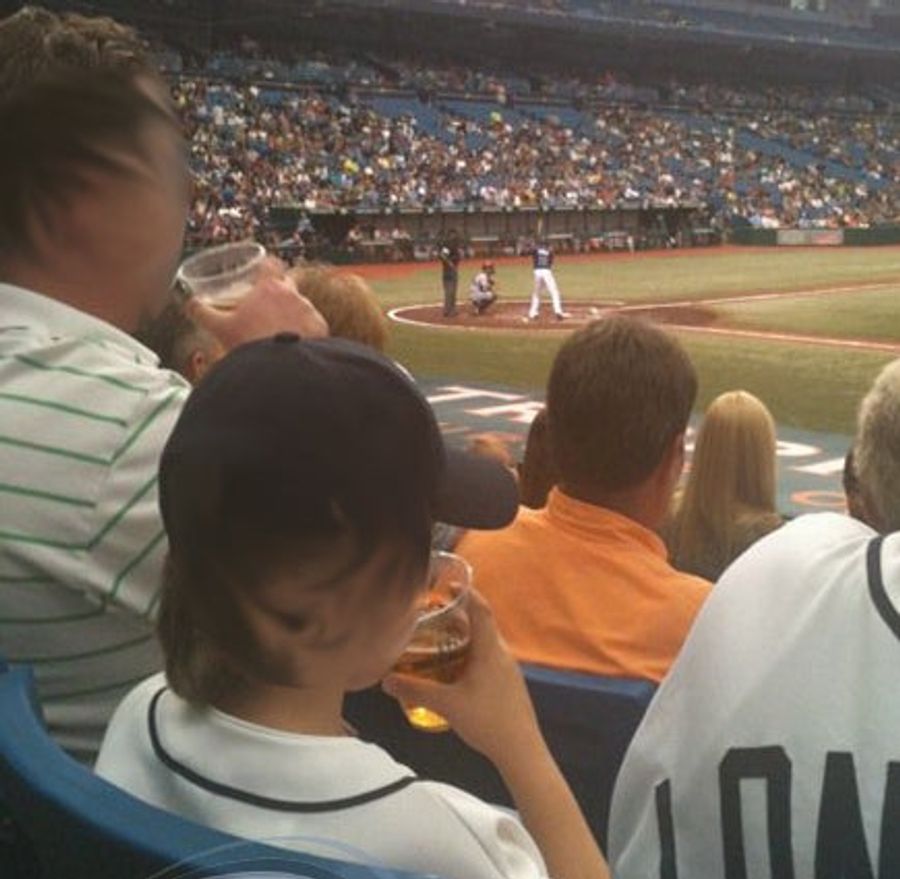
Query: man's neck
[84, 296]
[639, 504]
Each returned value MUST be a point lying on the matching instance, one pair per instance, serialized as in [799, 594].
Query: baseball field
[806, 329]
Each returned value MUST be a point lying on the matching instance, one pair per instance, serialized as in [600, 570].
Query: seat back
[58, 819]
[587, 720]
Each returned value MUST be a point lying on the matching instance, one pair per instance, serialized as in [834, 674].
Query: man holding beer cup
[299, 489]
[94, 193]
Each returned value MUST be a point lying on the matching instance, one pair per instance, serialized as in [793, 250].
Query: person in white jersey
[93, 200]
[542, 262]
[299, 522]
[771, 749]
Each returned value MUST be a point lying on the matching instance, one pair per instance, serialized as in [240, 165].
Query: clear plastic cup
[439, 647]
[221, 276]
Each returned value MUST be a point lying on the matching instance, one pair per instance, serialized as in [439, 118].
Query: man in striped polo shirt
[93, 200]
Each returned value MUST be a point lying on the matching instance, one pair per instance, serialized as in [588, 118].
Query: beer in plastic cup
[439, 647]
[221, 276]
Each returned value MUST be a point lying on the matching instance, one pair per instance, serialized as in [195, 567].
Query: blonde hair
[877, 448]
[347, 303]
[729, 498]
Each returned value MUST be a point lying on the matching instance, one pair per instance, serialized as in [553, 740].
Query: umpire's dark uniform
[450, 256]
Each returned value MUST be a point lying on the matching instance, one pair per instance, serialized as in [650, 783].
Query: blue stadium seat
[587, 720]
[60, 821]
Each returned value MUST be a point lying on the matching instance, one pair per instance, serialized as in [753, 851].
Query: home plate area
[512, 314]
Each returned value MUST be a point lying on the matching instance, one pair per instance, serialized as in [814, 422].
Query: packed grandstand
[350, 137]
[347, 114]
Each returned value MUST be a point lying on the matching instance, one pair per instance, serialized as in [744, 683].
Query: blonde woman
[728, 502]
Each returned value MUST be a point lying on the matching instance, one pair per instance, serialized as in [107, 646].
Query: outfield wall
[878, 235]
[494, 231]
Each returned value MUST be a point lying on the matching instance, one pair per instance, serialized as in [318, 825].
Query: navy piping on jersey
[224, 790]
[876, 586]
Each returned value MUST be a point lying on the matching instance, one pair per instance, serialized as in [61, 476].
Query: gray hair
[877, 449]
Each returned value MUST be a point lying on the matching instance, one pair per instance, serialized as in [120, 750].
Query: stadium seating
[60, 821]
[807, 156]
[587, 720]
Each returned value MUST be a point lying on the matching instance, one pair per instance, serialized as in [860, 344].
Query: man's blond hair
[877, 449]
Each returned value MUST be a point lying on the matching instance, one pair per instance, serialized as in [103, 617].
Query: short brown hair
[619, 392]
[347, 303]
[36, 44]
[537, 472]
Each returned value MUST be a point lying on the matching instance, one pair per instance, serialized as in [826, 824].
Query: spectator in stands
[299, 551]
[254, 147]
[788, 678]
[537, 472]
[584, 584]
[346, 301]
[728, 502]
[180, 344]
[91, 226]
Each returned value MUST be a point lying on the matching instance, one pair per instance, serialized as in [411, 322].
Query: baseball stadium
[450, 438]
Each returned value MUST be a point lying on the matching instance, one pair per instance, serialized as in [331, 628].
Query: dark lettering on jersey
[668, 863]
[841, 847]
[841, 850]
[773, 765]
[889, 850]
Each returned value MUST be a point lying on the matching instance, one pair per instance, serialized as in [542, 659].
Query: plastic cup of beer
[439, 647]
[221, 276]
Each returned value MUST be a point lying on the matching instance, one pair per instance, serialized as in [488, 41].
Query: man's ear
[196, 366]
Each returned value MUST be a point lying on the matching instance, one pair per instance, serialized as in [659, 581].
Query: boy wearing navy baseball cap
[298, 490]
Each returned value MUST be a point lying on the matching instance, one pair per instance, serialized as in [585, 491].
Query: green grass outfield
[805, 385]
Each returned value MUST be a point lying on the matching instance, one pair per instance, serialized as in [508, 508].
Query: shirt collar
[599, 522]
[36, 312]
[246, 762]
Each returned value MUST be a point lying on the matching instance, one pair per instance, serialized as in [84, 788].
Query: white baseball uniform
[481, 291]
[542, 260]
[772, 748]
[334, 796]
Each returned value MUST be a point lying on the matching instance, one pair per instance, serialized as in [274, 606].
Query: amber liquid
[230, 298]
[438, 654]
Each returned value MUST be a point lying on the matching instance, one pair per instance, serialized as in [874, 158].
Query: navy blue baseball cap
[292, 424]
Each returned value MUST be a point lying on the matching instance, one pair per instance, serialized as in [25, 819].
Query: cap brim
[476, 492]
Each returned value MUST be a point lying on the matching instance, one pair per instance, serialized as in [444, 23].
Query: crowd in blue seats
[799, 158]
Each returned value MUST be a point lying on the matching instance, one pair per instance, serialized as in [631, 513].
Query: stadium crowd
[253, 146]
[273, 525]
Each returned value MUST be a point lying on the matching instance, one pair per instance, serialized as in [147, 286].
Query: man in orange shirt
[584, 583]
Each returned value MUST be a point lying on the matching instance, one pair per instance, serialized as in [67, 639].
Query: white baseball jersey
[334, 796]
[773, 747]
[481, 289]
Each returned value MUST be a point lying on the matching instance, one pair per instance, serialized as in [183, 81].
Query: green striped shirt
[84, 414]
